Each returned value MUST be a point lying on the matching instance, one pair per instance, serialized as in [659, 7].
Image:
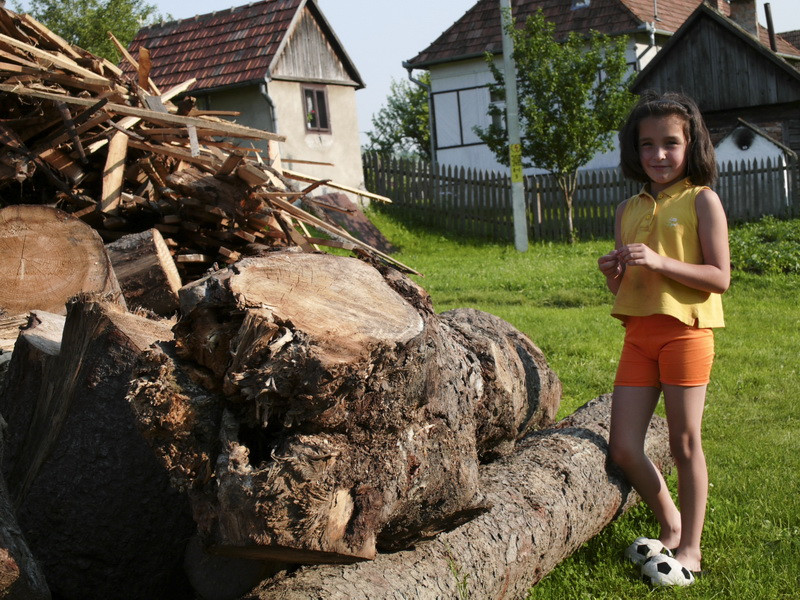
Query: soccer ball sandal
[664, 571]
[643, 548]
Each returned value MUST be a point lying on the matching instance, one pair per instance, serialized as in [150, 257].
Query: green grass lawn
[554, 293]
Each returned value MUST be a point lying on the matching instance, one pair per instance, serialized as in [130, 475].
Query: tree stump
[351, 419]
[94, 503]
[48, 257]
[146, 272]
[554, 494]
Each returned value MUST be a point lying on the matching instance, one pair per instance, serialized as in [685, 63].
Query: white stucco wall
[469, 75]
[760, 149]
[341, 146]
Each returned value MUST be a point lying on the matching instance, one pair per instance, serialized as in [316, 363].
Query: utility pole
[512, 125]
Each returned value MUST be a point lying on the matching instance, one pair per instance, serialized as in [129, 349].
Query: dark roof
[229, 47]
[793, 37]
[478, 31]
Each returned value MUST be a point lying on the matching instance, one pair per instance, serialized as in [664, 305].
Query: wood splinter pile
[79, 134]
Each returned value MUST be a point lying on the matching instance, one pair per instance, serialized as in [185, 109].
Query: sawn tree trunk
[550, 497]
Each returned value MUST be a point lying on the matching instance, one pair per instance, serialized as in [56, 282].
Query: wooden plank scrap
[345, 188]
[52, 38]
[219, 127]
[142, 67]
[230, 165]
[114, 172]
[57, 60]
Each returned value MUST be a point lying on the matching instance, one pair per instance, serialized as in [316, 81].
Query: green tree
[401, 125]
[86, 23]
[572, 95]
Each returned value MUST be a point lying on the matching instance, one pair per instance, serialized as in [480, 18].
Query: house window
[457, 112]
[315, 109]
[576, 4]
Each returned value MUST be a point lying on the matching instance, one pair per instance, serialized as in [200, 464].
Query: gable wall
[699, 59]
[309, 56]
[461, 99]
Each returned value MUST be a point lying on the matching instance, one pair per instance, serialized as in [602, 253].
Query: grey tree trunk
[551, 496]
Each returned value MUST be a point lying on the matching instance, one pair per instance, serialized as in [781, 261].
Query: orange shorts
[659, 349]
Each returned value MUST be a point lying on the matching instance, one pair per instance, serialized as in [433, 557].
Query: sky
[378, 35]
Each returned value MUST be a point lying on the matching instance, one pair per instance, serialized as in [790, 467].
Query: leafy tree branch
[573, 94]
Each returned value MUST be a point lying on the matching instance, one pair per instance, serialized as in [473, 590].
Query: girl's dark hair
[701, 163]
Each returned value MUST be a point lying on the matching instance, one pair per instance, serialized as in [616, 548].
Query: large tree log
[94, 503]
[520, 391]
[351, 409]
[554, 494]
[48, 257]
[146, 272]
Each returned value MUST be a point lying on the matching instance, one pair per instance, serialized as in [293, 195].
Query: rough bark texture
[351, 423]
[146, 272]
[48, 257]
[550, 497]
[93, 502]
[21, 578]
[520, 392]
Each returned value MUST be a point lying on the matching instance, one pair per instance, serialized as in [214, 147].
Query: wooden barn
[732, 76]
[277, 63]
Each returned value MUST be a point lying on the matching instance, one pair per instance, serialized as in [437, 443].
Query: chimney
[743, 13]
[719, 5]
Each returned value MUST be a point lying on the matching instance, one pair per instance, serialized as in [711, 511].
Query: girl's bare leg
[631, 411]
[684, 408]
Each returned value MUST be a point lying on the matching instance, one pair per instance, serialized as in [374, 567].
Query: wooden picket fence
[478, 203]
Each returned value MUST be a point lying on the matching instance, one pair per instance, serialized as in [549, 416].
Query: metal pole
[512, 124]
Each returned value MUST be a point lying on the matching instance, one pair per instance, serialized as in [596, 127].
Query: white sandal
[643, 548]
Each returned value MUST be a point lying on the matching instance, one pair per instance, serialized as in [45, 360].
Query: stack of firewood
[118, 153]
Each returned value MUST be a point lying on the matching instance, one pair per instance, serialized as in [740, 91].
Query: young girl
[669, 267]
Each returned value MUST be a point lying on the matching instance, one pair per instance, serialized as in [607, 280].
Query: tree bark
[95, 505]
[554, 494]
[49, 257]
[146, 272]
[520, 392]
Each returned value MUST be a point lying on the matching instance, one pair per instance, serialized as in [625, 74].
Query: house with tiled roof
[732, 75]
[279, 64]
[460, 77]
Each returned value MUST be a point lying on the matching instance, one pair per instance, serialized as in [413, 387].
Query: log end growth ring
[48, 257]
[343, 303]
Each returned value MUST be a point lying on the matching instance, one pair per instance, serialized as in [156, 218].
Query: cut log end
[49, 257]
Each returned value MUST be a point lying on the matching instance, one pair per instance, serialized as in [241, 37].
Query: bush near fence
[478, 203]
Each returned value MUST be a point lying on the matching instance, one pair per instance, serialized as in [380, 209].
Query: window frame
[316, 92]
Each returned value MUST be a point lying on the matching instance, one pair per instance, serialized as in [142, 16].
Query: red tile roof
[478, 31]
[227, 47]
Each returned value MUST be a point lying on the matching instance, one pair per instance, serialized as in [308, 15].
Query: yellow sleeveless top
[667, 224]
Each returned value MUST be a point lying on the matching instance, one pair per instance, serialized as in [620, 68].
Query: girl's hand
[640, 255]
[610, 265]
